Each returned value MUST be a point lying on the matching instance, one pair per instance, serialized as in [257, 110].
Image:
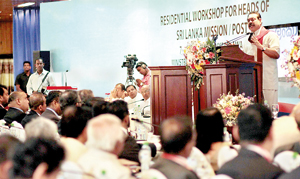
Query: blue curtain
[26, 36]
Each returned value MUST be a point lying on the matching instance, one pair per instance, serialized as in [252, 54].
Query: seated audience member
[68, 98]
[7, 147]
[134, 99]
[290, 132]
[105, 142]
[177, 139]
[53, 110]
[210, 128]
[100, 107]
[119, 92]
[256, 138]
[85, 95]
[37, 104]
[131, 148]
[93, 100]
[18, 105]
[145, 105]
[72, 128]
[3, 100]
[41, 127]
[37, 158]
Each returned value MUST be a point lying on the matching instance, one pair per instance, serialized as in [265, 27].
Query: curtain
[26, 36]
[6, 74]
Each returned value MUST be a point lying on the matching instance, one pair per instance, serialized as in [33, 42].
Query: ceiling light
[26, 4]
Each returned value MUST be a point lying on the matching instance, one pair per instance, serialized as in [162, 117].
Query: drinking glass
[150, 133]
[275, 110]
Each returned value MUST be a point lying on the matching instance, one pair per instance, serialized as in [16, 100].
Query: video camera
[130, 63]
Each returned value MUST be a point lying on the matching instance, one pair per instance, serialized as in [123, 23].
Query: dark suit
[173, 170]
[292, 175]
[249, 164]
[131, 150]
[2, 112]
[50, 115]
[14, 114]
[32, 114]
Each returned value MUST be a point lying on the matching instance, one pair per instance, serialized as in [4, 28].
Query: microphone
[66, 84]
[137, 101]
[238, 38]
[139, 121]
[250, 36]
[143, 110]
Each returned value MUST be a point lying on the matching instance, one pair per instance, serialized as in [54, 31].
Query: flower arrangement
[230, 106]
[293, 64]
[197, 54]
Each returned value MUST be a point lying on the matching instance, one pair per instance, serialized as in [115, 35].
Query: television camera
[130, 64]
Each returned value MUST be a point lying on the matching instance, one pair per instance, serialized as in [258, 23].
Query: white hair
[104, 131]
[41, 127]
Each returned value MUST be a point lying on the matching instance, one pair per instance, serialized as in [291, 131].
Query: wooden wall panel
[6, 38]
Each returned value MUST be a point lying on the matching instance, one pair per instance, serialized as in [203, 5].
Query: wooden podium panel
[171, 93]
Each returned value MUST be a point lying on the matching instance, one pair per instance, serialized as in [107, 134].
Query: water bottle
[145, 157]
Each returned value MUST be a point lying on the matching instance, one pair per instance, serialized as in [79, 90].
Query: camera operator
[143, 69]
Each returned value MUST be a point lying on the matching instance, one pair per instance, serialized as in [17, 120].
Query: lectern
[235, 71]
[171, 93]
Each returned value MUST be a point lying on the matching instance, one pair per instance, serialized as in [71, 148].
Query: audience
[119, 92]
[7, 147]
[41, 127]
[37, 158]
[177, 139]
[100, 107]
[105, 142]
[93, 100]
[37, 104]
[72, 128]
[85, 96]
[256, 138]
[53, 110]
[68, 98]
[145, 105]
[3, 100]
[18, 105]
[134, 98]
[210, 127]
[131, 148]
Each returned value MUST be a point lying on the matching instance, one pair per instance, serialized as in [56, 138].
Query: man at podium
[264, 46]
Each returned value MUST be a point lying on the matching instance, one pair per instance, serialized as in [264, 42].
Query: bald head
[145, 91]
[176, 133]
[19, 100]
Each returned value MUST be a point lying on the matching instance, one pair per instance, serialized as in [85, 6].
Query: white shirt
[132, 103]
[270, 71]
[35, 80]
[99, 163]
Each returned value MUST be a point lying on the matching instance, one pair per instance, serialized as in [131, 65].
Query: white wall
[90, 37]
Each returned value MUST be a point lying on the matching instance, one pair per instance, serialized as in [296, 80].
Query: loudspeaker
[45, 55]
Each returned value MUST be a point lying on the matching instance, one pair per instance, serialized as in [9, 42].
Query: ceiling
[6, 7]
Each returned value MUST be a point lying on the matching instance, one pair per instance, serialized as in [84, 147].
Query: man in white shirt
[105, 140]
[133, 99]
[39, 80]
[145, 91]
[264, 44]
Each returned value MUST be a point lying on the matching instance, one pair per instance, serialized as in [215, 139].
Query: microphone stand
[138, 120]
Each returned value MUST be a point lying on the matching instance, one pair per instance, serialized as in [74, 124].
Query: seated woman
[210, 128]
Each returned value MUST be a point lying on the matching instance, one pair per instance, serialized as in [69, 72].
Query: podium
[171, 93]
[235, 71]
